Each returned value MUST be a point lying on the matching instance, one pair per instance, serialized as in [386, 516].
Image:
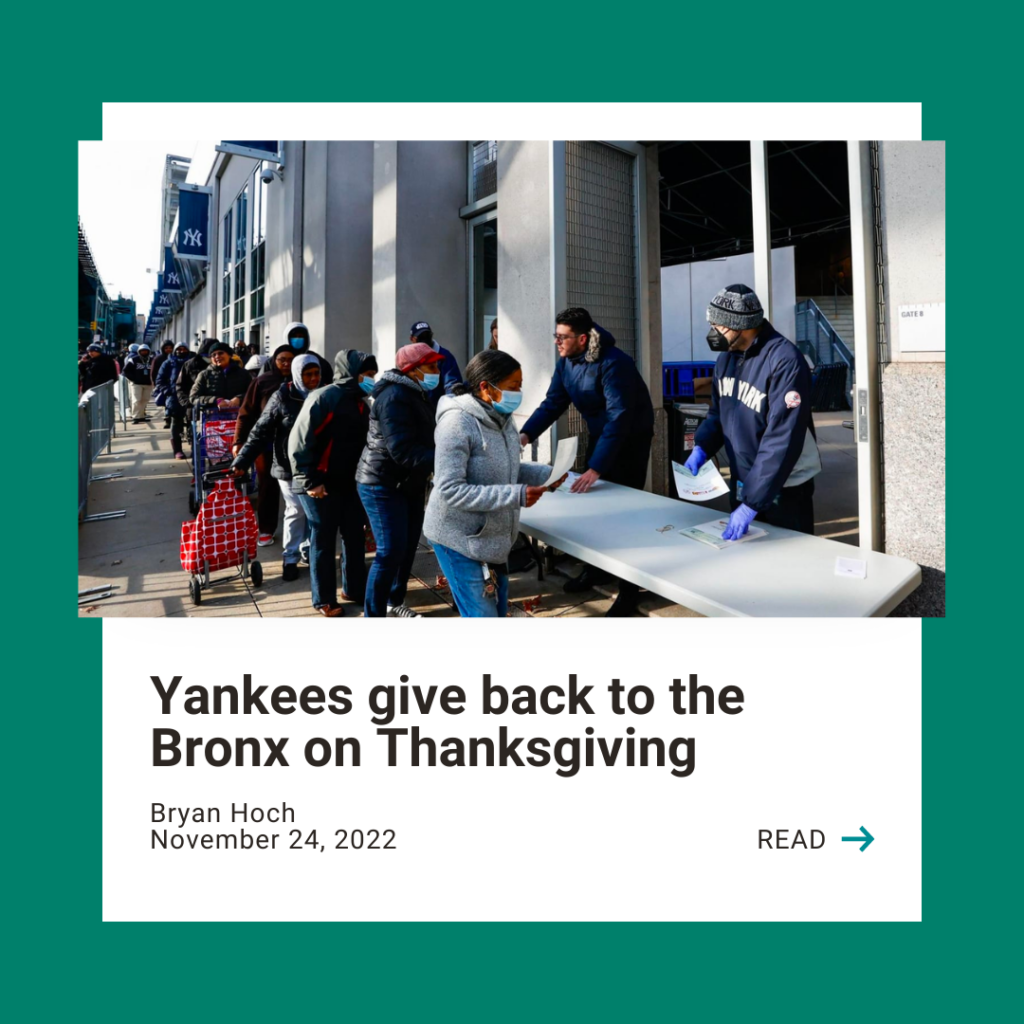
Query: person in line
[223, 383]
[256, 365]
[158, 360]
[273, 428]
[136, 369]
[325, 445]
[480, 484]
[393, 472]
[761, 412]
[167, 384]
[189, 374]
[494, 334]
[296, 337]
[611, 396]
[421, 333]
[257, 396]
[96, 368]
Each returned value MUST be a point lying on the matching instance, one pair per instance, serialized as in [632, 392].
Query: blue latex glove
[697, 459]
[739, 523]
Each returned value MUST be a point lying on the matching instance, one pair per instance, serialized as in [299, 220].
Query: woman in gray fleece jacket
[480, 484]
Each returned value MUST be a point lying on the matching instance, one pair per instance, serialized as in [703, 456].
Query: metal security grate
[485, 170]
[601, 246]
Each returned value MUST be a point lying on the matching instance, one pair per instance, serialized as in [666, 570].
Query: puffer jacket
[213, 384]
[399, 450]
[330, 432]
[606, 387]
[167, 380]
[273, 429]
[479, 480]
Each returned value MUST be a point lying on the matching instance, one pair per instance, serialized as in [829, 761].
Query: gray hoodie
[479, 481]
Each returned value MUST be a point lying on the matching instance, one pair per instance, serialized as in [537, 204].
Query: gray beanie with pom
[736, 307]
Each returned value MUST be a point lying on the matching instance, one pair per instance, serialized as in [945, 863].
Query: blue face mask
[367, 385]
[297, 343]
[510, 401]
[430, 381]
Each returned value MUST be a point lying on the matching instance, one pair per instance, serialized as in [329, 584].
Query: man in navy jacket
[448, 367]
[761, 412]
[611, 396]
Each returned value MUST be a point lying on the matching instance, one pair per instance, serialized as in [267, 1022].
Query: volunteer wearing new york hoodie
[761, 412]
[480, 484]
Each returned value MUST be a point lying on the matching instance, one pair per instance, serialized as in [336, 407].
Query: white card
[854, 567]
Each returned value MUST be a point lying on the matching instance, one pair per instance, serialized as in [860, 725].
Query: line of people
[348, 446]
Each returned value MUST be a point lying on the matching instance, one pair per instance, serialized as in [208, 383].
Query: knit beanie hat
[220, 346]
[736, 307]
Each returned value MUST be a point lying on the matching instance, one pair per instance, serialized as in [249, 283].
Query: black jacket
[273, 428]
[186, 378]
[213, 384]
[137, 371]
[399, 450]
[257, 398]
[329, 436]
[94, 372]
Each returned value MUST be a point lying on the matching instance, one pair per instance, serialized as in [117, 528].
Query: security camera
[267, 175]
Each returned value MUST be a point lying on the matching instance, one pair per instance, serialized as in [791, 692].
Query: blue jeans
[339, 510]
[466, 580]
[396, 518]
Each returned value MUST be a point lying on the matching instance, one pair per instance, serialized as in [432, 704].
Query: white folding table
[783, 574]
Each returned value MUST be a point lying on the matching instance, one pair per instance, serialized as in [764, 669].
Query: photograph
[531, 379]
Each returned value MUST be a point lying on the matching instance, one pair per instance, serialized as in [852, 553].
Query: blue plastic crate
[678, 378]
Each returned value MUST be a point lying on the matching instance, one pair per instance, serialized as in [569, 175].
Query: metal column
[762, 225]
[866, 423]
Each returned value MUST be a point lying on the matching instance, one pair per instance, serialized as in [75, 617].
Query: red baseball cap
[416, 354]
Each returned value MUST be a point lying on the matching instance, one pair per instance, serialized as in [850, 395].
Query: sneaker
[179, 455]
[304, 554]
[402, 611]
[266, 539]
[290, 572]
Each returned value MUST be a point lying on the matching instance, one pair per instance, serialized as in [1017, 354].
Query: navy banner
[172, 283]
[193, 241]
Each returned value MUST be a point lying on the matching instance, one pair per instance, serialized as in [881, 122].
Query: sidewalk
[138, 556]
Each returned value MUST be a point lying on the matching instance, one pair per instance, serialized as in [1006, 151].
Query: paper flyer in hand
[565, 456]
[711, 533]
[707, 484]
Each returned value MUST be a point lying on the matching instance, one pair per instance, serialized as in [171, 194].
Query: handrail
[96, 428]
[837, 347]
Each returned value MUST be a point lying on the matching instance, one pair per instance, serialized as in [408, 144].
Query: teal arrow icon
[867, 839]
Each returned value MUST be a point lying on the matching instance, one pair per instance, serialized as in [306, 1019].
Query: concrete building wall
[419, 245]
[284, 250]
[314, 245]
[526, 303]
[687, 288]
[912, 183]
[349, 314]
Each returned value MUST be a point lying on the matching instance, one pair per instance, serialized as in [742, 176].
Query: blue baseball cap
[420, 327]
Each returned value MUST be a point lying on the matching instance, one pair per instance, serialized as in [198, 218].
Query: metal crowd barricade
[96, 427]
[124, 399]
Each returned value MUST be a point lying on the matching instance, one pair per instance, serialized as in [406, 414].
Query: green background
[66, 964]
